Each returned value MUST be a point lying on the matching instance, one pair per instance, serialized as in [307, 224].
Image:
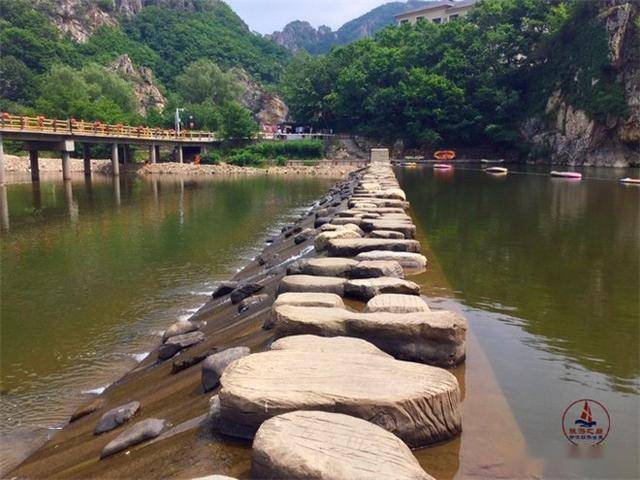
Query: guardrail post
[115, 163]
[35, 167]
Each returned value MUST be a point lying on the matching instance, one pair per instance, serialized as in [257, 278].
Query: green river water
[547, 273]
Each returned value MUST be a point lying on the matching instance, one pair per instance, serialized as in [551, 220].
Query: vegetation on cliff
[466, 82]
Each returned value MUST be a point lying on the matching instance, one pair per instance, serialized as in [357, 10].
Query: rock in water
[326, 300]
[303, 236]
[330, 446]
[352, 247]
[377, 268]
[251, 301]
[314, 343]
[321, 241]
[179, 328]
[244, 291]
[225, 288]
[418, 403]
[138, 433]
[435, 338]
[367, 288]
[330, 267]
[396, 303]
[116, 417]
[308, 283]
[214, 365]
[174, 344]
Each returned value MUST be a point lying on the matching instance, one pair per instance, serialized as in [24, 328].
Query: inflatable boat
[496, 170]
[572, 175]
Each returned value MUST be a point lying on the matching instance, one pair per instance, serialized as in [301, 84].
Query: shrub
[245, 158]
[281, 161]
[212, 157]
[300, 149]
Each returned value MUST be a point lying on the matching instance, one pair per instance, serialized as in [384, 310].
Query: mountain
[299, 35]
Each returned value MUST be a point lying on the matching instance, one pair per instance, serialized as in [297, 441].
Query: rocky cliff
[267, 108]
[147, 93]
[566, 134]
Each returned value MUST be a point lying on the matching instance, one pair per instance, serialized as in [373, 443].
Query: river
[92, 273]
[546, 272]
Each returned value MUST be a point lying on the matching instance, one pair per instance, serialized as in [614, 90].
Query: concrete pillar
[115, 162]
[35, 167]
[152, 154]
[66, 165]
[125, 154]
[86, 156]
[4, 208]
[1, 162]
[180, 154]
[72, 208]
[116, 191]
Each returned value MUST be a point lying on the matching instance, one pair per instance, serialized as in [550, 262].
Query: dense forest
[467, 82]
[190, 52]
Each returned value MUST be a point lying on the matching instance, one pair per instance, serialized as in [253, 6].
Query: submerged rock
[116, 417]
[251, 301]
[224, 288]
[214, 365]
[418, 403]
[244, 291]
[138, 433]
[319, 445]
[87, 408]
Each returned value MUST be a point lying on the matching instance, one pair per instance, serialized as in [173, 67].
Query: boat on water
[630, 181]
[496, 170]
[571, 175]
[485, 160]
[409, 164]
[442, 166]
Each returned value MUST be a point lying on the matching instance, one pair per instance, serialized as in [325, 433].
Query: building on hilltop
[437, 12]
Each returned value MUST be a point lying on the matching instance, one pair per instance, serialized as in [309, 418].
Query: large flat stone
[418, 403]
[352, 247]
[377, 268]
[346, 220]
[435, 338]
[327, 300]
[314, 343]
[367, 288]
[329, 266]
[322, 239]
[406, 228]
[309, 283]
[396, 303]
[406, 259]
[391, 193]
[389, 234]
[314, 445]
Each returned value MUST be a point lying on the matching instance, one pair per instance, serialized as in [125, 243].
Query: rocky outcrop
[267, 108]
[299, 35]
[148, 95]
[569, 135]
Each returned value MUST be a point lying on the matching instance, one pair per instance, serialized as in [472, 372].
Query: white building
[437, 12]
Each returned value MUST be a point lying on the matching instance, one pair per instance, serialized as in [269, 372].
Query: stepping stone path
[319, 445]
[314, 343]
[436, 338]
[418, 403]
[396, 303]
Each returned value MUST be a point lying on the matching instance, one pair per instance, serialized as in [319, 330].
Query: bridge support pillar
[35, 167]
[180, 154]
[66, 165]
[86, 157]
[126, 153]
[152, 154]
[157, 147]
[115, 163]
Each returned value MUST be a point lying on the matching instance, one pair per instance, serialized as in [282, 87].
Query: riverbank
[326, 168]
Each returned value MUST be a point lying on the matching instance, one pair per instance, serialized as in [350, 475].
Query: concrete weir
[361, 367]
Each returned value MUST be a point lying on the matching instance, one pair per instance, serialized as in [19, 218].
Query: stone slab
[352, 247]
[367, 288]
[315, 343]
[406, 259]
[309, 283]
[396, 303]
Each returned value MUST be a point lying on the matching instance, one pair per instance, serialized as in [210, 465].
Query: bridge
[40, 133]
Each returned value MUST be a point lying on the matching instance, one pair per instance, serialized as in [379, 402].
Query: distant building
[437, 12]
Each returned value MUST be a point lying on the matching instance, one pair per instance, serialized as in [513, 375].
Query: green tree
[203, 81]
[237, 122]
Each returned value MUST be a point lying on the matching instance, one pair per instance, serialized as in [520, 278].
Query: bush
[245, 158]
[212, 157]
[281, 161]
[300, 149]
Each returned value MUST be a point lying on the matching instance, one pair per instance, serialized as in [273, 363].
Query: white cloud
[265, 16]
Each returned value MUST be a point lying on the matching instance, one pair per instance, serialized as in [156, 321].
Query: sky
[266, 16]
